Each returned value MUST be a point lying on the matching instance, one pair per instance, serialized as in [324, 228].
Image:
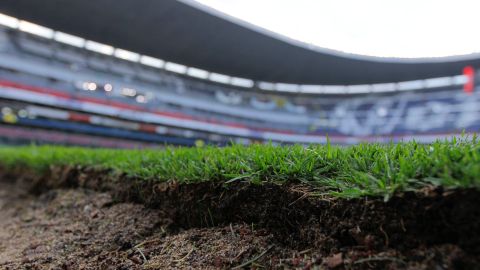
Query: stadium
[307, 157]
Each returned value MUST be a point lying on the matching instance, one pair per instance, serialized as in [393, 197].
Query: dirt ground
[75, 223]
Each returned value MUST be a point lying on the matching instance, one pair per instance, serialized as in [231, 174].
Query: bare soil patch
[86, 218]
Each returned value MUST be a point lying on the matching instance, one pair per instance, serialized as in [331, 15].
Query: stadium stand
[59, 84]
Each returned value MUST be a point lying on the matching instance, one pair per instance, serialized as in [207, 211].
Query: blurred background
[145, 73]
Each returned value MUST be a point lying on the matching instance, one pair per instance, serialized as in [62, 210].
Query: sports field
[394, 206]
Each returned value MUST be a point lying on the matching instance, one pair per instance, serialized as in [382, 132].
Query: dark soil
[86, 218]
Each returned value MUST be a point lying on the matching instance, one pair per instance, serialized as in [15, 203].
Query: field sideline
[354, 171]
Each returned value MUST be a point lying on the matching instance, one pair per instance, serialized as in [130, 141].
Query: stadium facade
[180, 73]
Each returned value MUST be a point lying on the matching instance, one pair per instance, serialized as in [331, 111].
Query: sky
[386, 28]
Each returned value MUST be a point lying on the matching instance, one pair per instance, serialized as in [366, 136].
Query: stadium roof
[188, 33]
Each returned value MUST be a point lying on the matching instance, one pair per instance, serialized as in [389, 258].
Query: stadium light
[90, 86]
[286, 87]
[459, 79]
[383, 87]
[99, 47]
[141, 99]
[8, 21]
[438, 82]
[410, 85]
[35, 29]
[197, 73]
[108, 87]
[216, 77]
[311, 89]
[126, 55]
[129, 92]
[359, 89]
[334, 89]
[152, 62]
[69, 39]
[266, 86]
[174, 67]
[241, 82]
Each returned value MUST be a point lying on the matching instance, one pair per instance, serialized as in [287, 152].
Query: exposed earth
[85, 218]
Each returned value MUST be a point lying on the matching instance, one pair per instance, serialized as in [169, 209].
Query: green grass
[366, 169]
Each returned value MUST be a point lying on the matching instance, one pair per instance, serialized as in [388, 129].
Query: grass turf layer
[365, 169]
